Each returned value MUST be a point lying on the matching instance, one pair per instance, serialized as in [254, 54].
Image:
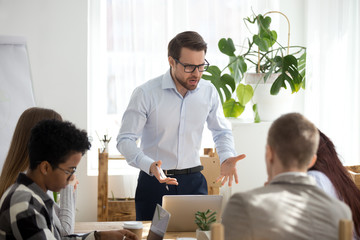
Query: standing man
[169, 113]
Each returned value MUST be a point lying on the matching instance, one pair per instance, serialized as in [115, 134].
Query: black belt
[172, 172]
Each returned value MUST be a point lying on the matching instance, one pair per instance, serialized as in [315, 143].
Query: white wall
[56, 32]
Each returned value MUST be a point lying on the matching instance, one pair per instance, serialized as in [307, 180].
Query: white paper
[160, 221]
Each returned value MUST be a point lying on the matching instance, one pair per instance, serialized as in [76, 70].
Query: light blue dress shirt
[323, 182]
[171, 126]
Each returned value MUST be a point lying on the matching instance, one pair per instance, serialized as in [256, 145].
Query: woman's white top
[64, 217]
[323, 182]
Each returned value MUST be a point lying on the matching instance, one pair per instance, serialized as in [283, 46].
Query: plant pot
[203, 235]
[270, 107]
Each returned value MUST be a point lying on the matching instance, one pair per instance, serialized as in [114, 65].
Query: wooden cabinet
[111, 209]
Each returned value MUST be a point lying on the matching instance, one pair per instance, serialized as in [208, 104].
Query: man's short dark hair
[294, 139]
[54, 141]
[188, 39]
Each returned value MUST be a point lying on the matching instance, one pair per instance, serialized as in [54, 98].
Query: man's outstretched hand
[155, 169]
[228, 170]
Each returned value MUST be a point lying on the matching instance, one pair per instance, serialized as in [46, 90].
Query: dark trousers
[149, 191]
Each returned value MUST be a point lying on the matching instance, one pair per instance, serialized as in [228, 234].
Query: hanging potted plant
[276, 65]
[203, 220]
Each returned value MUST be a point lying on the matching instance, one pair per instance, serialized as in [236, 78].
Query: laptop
[183, 208]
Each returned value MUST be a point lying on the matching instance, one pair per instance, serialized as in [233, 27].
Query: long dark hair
[329, 163]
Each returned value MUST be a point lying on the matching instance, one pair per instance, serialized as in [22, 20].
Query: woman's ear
[312, 162]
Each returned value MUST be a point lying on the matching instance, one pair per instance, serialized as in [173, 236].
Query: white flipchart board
[16, 93]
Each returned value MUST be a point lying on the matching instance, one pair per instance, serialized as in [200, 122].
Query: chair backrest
[217, 231]
[355, 174]
[211, 172]
[345, 229]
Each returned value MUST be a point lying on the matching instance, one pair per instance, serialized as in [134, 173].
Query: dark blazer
[291, 206]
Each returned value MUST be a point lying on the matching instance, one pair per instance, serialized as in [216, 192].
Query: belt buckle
[168, 174]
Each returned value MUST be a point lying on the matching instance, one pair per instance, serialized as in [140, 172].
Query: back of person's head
[17, 159]
[189, 39]
[328, 162]
[294, 139]
[54, 141]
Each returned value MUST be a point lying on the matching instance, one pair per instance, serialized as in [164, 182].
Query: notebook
[183, 208]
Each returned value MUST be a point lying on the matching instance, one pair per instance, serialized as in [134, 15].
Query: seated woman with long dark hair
[335, 179]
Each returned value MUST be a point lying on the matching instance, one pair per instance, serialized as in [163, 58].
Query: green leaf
[205, 219]
[244, 93]
[220, 82]
[256, 114]
[227, 46]
[302, 69]
[271, 70]
[269, 36]
[265, 38]
[232, 108]
[55, 195]
[294, 87]
[278, 83]
[263, 23]
[290, 60]
[288, 66]
[212, 214]
[263, 43]
[278, 61]
[237, 68]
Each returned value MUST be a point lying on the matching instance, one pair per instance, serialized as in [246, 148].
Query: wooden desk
[85, 227]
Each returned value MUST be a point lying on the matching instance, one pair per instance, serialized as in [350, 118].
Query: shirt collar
[292, 174]
[167, 81]
[294, 178]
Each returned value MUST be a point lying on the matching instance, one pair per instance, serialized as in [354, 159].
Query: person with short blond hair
[290, 205]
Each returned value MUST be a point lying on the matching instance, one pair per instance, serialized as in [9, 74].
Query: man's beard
[185, 83]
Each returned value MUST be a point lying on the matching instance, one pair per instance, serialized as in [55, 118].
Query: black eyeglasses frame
[205, 65]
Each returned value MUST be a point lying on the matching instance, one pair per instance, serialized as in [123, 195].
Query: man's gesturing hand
[155, 169]
[228, 170]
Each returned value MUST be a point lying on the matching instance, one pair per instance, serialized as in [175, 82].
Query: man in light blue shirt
[169, 114]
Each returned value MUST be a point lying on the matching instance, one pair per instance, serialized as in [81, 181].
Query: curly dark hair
[53, 141]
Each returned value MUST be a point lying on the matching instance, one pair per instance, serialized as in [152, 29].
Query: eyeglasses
[189, 68]
[68, 172]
